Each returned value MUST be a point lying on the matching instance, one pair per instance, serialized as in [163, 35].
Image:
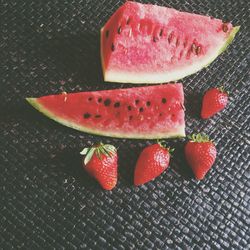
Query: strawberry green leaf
[99, 150]
[171, 150]
[98, 153]
[84, 151]
[162, 143]
[110, 148]
[89, 155]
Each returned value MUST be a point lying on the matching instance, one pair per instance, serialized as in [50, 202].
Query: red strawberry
[101, 163]
[152, 161]
[200, 153]
[214, 100]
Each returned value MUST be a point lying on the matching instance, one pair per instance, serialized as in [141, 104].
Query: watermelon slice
[144, 43]
[145, 112]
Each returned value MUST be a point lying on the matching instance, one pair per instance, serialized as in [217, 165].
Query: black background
[47, 200]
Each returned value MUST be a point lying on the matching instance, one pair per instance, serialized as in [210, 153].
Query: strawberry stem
[222, 90]
[200, 137]
[163, 144]
[99, 149]
[171, 151]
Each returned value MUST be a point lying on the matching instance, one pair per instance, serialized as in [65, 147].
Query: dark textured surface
[47, 200]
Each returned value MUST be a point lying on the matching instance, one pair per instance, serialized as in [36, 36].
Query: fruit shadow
[128, 155]
[128, 158]
[24, 111]
[193, 104]
[69, 161]
[178, 161]
[77, 56]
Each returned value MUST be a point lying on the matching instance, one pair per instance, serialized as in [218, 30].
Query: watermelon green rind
[180, 132]
[226, 44]
[229, 39]
[139, 78]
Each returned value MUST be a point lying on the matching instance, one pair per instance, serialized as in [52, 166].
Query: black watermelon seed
[97, 116]
[99, 99]
[170, 37]
[129, 107]
[107, 102]
[224, 27]
[137, 101]
[128, 21]
[113, 47]
[117, 105]
[107, 33]
[130, 117]
[148, 103]
[90, 98]
[119, 30]
[198, 50]
[164, 100]
[193, 48]
[86, 115]
[161, 32]
[141, 109]
[160, 114]
[155, 39]
[177, 42]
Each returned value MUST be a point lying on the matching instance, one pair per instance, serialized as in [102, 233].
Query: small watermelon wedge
[145, 43]
[144, 112]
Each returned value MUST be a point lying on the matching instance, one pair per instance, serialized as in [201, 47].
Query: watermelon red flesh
[143, 43]
[145, 112]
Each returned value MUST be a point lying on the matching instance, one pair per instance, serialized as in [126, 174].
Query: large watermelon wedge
[144, 43]
[145, 112]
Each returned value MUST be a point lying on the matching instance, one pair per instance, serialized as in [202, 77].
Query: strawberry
[152, 161]
[214, 100]
[101, 162]
[200, 153]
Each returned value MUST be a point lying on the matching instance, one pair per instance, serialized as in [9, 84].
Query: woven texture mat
[47, 201]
